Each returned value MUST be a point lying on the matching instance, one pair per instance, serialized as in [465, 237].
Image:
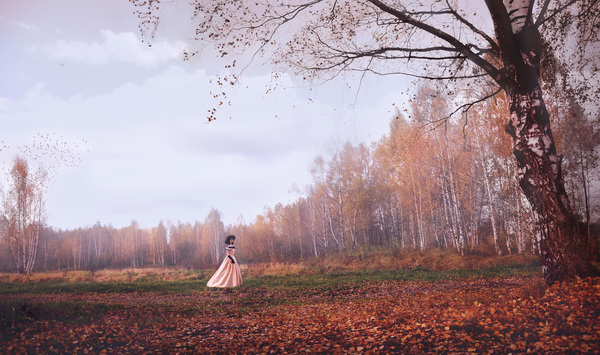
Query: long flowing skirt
[227, 275]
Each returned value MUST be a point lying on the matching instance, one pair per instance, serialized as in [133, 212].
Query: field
[352, 304]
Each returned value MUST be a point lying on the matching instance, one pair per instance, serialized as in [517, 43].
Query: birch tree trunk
[539, 174]
[488, 192]
[538, 164]
[417, 204]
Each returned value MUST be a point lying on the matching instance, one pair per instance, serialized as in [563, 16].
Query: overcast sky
[75, 74]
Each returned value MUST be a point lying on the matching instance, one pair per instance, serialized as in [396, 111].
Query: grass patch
[350, 268]
[104, 276]
[418, 273]
[103, 287]
[391, 259]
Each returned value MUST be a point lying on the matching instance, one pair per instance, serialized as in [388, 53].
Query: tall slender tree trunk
[340, 206]
[452, 196]
[520, 238]
[446, 208]
[585, 182]
[488, 192]
[419, 244]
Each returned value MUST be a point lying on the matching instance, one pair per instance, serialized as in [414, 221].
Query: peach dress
[228, 274]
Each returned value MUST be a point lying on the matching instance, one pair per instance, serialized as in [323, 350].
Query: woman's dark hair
[229, 237]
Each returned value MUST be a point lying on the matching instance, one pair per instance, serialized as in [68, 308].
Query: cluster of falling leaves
[49, 151]
[502, 315]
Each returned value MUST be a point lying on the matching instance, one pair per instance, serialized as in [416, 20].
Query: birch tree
[24, 213]
[213, 235]
[159, 244]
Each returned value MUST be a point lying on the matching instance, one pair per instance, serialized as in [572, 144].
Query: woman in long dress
[228, 274]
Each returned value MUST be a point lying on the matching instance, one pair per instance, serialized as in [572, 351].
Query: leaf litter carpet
[485, 316]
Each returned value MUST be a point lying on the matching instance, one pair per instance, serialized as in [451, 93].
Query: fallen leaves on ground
[504, 315]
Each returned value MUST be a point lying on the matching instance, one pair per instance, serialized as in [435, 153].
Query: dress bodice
[230, 250]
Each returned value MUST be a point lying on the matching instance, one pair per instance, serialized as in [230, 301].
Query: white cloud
[123, 48]
[159, 159]
[27, 26]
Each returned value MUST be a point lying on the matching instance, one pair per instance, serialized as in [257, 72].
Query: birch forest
[432, 182]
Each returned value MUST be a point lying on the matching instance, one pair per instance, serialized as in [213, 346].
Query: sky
[128, 122]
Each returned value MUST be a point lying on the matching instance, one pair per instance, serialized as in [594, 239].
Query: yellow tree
[243, 240]
[159, 244]
[286, 222]
[24, 213]
[328, 202]
[265, 236]
[432, 170]
[213, 236]
[182, 242]
[506, 206]
[315, 221]
[133, 244]
[392, 157]
[357, 163]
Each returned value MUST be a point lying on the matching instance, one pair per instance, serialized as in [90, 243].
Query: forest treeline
[431, 182]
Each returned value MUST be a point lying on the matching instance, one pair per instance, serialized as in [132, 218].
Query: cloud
[158, 158]
[27, 26]
[122, 48]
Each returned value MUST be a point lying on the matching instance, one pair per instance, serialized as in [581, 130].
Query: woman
[228, 274]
